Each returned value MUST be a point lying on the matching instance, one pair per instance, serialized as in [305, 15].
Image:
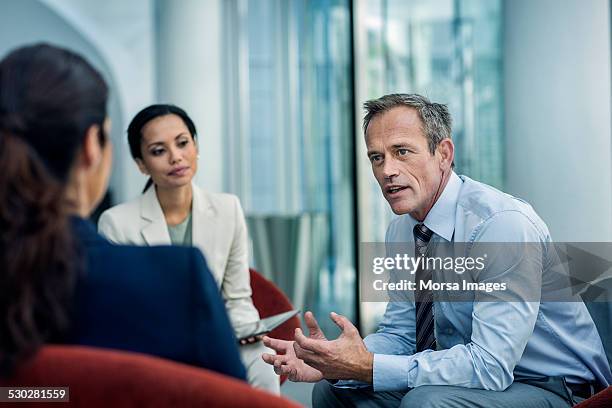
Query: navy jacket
[156, 300]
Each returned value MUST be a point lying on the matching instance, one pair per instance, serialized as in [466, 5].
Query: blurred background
[276, 89]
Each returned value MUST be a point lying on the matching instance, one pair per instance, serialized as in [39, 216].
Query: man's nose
[390, 169]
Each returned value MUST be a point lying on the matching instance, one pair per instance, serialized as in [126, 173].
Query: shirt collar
[441, 217]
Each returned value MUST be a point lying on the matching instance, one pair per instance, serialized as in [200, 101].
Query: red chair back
[270, 300]
[107, 378]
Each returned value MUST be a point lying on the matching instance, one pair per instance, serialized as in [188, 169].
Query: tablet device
[263, 326]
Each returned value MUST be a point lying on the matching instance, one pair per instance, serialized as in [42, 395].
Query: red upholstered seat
[270, 300]
[602, 399]
[108, 378]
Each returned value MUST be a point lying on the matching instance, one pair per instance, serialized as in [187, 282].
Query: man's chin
[400, 208]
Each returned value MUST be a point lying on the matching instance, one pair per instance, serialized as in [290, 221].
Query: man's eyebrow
[402, 145]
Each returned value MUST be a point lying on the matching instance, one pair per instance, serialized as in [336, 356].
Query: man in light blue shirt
[446, 354]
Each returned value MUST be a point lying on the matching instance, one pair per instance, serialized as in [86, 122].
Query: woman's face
[169, 153]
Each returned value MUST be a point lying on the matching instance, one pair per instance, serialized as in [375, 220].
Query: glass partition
[289, 144]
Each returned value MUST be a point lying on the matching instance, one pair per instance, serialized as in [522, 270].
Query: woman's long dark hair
[145, 116]
[49, 97]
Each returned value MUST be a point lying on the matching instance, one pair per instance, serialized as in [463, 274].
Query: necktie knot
[422, 235]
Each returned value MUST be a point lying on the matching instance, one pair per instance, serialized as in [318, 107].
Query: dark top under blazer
[156, 300]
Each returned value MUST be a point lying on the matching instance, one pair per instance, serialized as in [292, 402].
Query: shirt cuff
[392, 372]
[348, 384]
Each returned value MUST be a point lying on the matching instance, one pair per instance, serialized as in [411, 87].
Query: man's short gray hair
[436, 119]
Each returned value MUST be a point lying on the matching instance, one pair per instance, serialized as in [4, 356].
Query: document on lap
[263, 326]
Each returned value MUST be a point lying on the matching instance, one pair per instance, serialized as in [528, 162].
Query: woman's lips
[179, 172]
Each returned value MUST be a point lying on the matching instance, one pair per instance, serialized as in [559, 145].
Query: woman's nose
[175, 157]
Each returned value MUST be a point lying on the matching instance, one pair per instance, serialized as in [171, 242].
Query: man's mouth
[391, 190]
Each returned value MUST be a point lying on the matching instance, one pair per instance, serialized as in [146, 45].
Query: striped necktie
[425, 338]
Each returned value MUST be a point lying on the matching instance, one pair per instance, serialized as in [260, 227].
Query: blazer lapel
[155, 231]
[204, 224]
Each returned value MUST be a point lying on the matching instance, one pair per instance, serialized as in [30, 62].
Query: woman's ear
[91, 152]
[142, 167]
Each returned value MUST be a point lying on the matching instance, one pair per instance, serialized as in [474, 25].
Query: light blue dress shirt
[485, 345]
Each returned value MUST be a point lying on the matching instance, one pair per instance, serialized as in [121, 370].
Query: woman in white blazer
[173, 210]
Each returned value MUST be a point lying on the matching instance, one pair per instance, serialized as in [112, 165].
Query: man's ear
[142, 167]
[91, 152]
[446, 150]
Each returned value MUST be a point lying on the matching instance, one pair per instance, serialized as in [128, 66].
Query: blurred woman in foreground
[59, 280]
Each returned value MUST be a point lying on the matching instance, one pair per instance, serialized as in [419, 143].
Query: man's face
[408, 174]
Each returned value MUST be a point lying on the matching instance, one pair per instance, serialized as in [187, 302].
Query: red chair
[107, 378]
[602, 399]
[270, 300]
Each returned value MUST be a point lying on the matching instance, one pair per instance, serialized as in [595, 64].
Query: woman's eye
[157, 152]
[183, 143]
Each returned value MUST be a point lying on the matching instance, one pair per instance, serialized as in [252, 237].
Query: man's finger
[278, 367]
[344, 324]
[268, 358]
[301, 353]
[306, 343]
[285, 370]
[276, 360]
[314, 330]
[280, 346]
[282, 366]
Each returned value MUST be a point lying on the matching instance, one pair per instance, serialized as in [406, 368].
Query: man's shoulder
[479, 203]
[485, 200]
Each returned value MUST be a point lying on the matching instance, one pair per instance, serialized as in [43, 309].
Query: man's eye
[402, 152]
[375, 158]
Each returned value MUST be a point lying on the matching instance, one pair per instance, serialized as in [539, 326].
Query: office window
[289, 144]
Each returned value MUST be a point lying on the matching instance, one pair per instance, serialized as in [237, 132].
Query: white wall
[116, 38]
[557, 121]
[189, 59]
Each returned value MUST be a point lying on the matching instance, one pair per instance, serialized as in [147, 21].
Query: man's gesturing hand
[345, 358]
[286, 362]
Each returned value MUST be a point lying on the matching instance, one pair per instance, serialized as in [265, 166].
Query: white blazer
[218, 229]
